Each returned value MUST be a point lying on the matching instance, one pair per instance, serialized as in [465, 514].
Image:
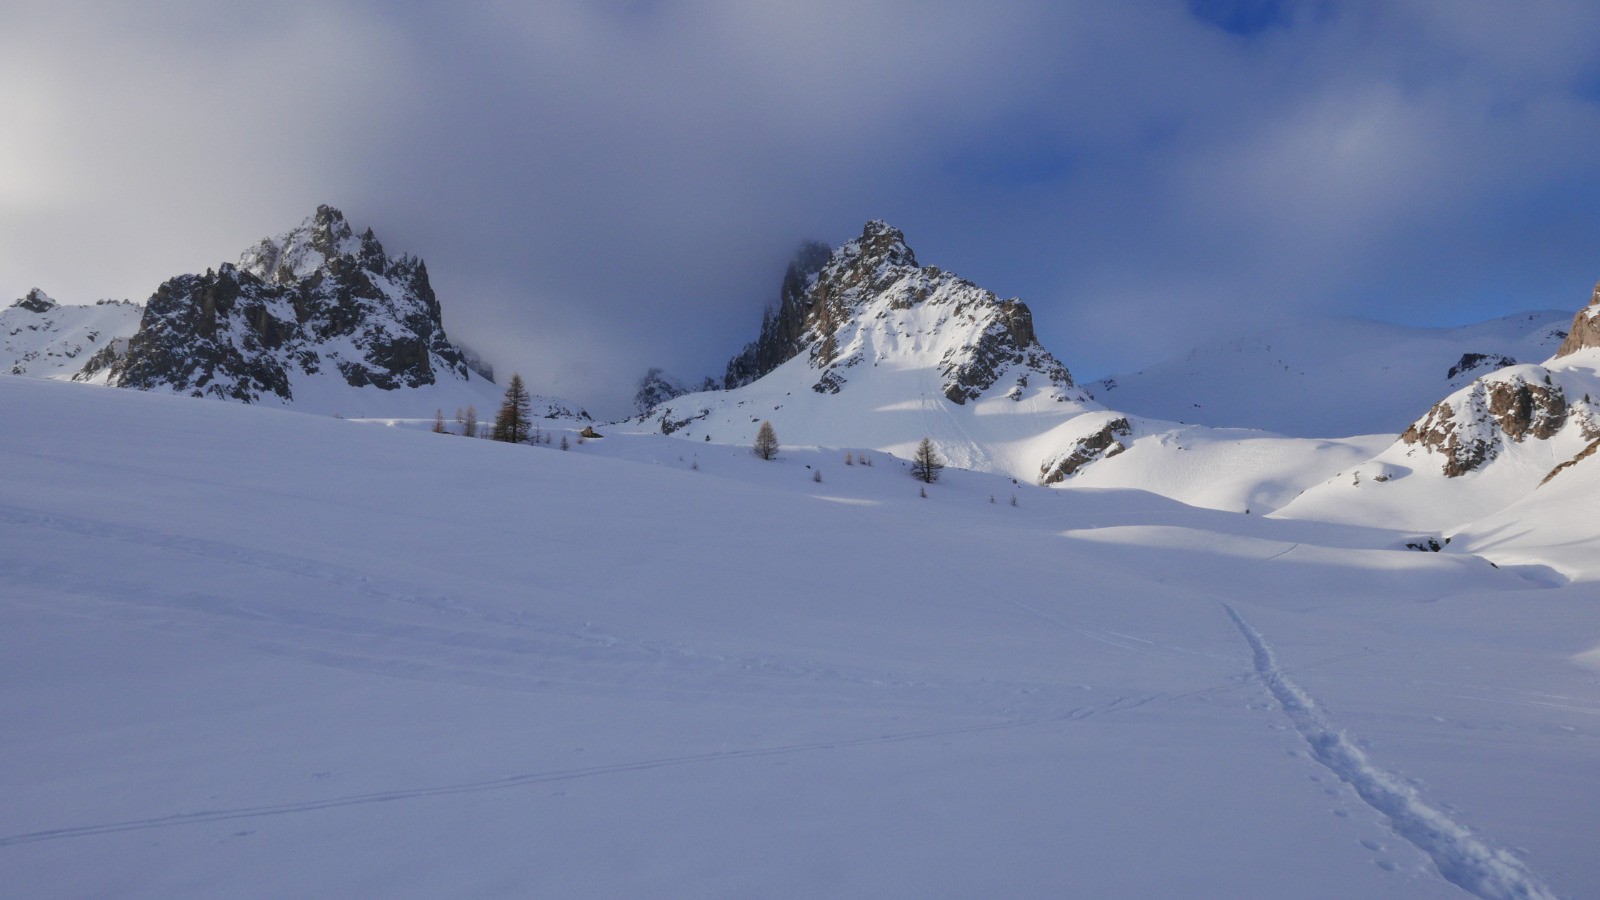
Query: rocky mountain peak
[322, 242]
[36, 301]
[870, 301]
[316, 299]
[1585, 331]
[883, 244]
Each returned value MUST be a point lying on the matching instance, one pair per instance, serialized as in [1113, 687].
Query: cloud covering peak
[598, 188]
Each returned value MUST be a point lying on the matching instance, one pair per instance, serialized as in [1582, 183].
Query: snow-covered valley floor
[246, 652]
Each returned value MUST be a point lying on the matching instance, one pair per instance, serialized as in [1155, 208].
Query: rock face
[36, 301]
[870, 300]
[1585, 331]
[1477, 362]
[316, 300]
[1475, 425]
[1587, 452]
[783, 329]
[1471, 426]
[1100, 444]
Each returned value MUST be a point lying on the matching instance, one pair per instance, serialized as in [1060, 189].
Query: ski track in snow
[1462, 859]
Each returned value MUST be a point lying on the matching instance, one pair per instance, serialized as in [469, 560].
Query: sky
[602, 187]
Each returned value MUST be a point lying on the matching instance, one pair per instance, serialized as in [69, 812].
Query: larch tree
[512, 422]
[766, 445]
[926, 463]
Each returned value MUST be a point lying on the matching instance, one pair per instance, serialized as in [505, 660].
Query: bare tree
[766, 445]
[469, 422]
[925, 463]
[438, 421]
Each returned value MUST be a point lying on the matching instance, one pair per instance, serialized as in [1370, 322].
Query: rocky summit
[870, 300]
[318, 302]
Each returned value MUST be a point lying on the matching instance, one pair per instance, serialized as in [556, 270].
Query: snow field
[249, 652]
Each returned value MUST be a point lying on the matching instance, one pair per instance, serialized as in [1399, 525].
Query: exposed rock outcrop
[318, 299]
[1585, 331]
[783, 328]
[1582, 455]
[1469, 427]
[36, 301]
[1099, 444]
[1474, 362]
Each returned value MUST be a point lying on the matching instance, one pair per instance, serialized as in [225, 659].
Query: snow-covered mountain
[45, 339]
[1330, 377]
[319, 318]
[869, 349]
[1502, 437]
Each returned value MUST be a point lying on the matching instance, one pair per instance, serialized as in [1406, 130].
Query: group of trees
[513, 422]
[926, 463]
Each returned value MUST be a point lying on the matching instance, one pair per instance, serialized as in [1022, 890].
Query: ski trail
[1462, 859]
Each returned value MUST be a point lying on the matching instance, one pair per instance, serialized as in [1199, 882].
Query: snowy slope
[370, 661]
[889, 351]
[1479, 450]
[1227, 468]
[45, 339]
[1330, 377]
[1554, 524]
